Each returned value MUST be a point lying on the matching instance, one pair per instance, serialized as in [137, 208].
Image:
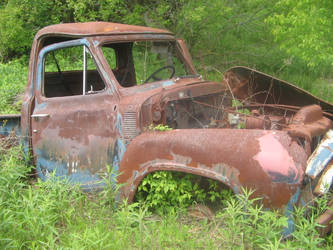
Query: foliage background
[289, 39]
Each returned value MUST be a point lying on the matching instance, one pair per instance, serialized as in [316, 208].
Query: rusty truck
[96, 89]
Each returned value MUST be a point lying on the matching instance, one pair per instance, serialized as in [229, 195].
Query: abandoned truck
[96, 89]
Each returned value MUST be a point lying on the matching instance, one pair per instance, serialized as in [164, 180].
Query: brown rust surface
[309, 122]
[95, 29]
[238, 158]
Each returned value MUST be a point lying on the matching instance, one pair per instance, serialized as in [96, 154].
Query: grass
[54, 214]
[13, 80]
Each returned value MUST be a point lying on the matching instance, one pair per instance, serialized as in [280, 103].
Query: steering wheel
[152, 76]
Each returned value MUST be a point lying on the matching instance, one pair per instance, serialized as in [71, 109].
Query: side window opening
[71, 71]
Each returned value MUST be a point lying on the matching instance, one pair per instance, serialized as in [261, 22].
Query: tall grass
[54, 214]
[13, 80]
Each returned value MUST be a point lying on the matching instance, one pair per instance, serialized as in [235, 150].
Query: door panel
[73, 133]
[74, 136]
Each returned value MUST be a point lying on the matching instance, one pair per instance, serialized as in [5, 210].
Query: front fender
[269, 162]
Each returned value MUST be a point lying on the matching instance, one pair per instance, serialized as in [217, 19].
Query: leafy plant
[303, 30]
[12, 83]
[240, 110]
[35, 214]
[168, 191]
[108, 195]
[159, 127]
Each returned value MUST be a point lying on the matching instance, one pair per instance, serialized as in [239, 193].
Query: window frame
[39, 87]
[142, 39]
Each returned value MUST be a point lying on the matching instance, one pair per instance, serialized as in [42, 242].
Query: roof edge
[96, 29]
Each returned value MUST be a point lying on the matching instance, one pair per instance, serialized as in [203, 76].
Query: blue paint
[291, 178]
[168, 83]
[235, 189]
[289, 214]
[324, 156]
[95, 43]
[45, 168]
[53, 47]
[136, 173]
[24, 141]
[41, 106]
[9, 124]
[119, 151]
[46, 165]
[25, 135]
[118, 125]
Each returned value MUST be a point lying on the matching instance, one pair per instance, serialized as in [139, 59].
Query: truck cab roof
[78, 30]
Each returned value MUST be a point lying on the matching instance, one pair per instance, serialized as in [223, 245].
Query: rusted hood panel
[269, 162]
[263, 88]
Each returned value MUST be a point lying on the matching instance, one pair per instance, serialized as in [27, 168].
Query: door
[73, 118]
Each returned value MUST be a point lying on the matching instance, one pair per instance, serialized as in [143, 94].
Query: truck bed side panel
[10, 124]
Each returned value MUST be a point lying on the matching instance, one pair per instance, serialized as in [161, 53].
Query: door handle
[39, 115]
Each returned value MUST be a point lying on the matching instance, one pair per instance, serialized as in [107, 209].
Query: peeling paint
[321, 156]
[181, 159]
[289, 213]
[325, 180]
[276, 161]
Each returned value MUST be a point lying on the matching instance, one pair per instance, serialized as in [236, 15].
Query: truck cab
[86, 87]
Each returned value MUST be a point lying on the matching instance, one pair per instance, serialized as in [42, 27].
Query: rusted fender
[269, 162]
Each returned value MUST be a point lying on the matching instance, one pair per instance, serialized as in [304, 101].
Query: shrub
[165, 191]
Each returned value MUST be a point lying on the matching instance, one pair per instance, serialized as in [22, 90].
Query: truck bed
[10, 124]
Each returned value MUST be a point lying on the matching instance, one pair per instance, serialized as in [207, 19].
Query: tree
[21, 19]
[303, 29]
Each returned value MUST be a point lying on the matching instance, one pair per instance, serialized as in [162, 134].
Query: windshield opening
[142, 62]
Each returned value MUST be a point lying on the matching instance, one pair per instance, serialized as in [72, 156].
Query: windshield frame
[141, 38]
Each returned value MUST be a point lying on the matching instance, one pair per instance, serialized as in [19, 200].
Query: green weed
[165, 191]
[54, 214]
[159, 127]
[13, 81]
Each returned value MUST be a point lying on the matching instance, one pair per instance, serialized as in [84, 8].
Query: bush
[20, 20]
[13, 81]
[53, 214]
[165, 191]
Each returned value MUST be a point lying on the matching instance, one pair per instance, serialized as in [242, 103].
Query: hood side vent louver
[130, 126]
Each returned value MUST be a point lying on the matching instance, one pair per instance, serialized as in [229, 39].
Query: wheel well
[201, 188]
